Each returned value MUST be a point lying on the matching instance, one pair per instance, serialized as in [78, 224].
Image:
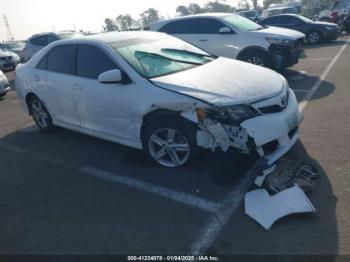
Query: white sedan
[155, 92]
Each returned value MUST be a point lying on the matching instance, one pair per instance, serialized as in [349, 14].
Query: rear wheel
[169, 143]
[257, 58]
[40, 114]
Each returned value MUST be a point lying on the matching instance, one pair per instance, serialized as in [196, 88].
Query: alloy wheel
[314, 37]
[169, 147]
[39, 113]
[256, 61]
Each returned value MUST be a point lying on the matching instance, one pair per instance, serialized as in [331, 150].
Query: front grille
[271, 109]
[6, 58]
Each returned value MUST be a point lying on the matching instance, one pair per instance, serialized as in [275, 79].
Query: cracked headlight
[279, 41]
[230, 115]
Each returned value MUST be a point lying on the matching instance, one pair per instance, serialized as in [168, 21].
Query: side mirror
[225, 30]
[111, 77]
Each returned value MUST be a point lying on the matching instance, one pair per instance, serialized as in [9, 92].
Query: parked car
[16, 47]
[8, 60]
[155, 92]
[251, 15]
[233, 36]
[277, 11]
[315, 31]
[4, 84]
[341, 6]
[39, 41]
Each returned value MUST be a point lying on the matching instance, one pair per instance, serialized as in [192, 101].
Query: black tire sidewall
[50, 126]
[319, 37]
[263, 56]
[175, 123]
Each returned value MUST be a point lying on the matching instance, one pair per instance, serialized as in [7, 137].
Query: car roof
[53, 33]
[109, 37]
[203, 15]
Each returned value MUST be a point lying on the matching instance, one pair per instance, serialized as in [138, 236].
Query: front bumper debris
[286, 55]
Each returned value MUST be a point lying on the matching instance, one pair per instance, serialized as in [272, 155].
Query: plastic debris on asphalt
[283, 192]
[266, 209]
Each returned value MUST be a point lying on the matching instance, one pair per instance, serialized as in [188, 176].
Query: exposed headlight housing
[231, 115]
[279, 41]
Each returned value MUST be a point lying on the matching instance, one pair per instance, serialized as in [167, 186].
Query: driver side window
[92, 61]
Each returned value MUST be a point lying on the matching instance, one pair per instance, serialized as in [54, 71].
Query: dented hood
[224, 82]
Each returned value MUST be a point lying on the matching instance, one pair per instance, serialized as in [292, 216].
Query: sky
[28, 17]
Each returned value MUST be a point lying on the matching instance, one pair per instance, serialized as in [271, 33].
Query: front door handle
[203, 40]
[36, 78]
[77, 87]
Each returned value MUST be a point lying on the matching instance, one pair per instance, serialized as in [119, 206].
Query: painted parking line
[219, 220]
[186, 199]
[176, 196]
[325, 73]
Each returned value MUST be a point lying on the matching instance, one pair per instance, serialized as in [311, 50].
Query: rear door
[60, 83]
[104, 108]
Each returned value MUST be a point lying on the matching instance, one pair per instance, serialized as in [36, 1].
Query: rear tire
[257, 58]
[40, 114]
[169, 143]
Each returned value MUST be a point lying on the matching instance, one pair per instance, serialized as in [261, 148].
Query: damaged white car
[155, 92]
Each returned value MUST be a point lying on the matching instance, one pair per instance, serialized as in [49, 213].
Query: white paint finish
[266, 209]
[319, 82]
[224, 82]
[275, 125]
[189, 200]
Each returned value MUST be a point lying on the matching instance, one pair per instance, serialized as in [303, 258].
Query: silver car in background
[37, 42]
[8, 60]
[4, 85]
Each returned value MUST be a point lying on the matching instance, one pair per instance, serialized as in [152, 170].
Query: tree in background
[182, 10]
[255, 4]
[195, 9]
[243, 5]
[219, 6]
[110, 25]
[124, 22]
[149, 16]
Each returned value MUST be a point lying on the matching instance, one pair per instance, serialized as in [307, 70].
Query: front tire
[40, 114]
[257, 58]
[169, 143]
[313, 37]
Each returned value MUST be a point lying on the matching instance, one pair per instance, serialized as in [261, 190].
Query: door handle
[36, 78]
[203, 40]
[77, 87]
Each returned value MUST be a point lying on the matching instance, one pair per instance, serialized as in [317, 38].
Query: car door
[59, 84]
[103, 108]
[203, 33]
[291, 23]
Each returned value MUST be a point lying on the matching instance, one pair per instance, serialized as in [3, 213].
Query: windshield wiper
[185, 52]
[168, 58]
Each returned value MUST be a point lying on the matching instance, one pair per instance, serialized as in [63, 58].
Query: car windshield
[241, 23]
[157, 55]
[249, 14]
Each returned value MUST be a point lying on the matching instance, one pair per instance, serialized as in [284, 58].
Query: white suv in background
[39, 41]
[233, 36]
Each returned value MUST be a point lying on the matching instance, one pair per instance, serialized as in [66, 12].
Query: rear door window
[186, 26]
[39, 41]
[92, 61]
[210, 26]
[61, 59]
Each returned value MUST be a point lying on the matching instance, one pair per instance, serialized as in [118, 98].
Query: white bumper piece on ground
[266, 209]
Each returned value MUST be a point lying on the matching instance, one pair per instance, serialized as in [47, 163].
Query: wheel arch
[250, 49]
[28, 97]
